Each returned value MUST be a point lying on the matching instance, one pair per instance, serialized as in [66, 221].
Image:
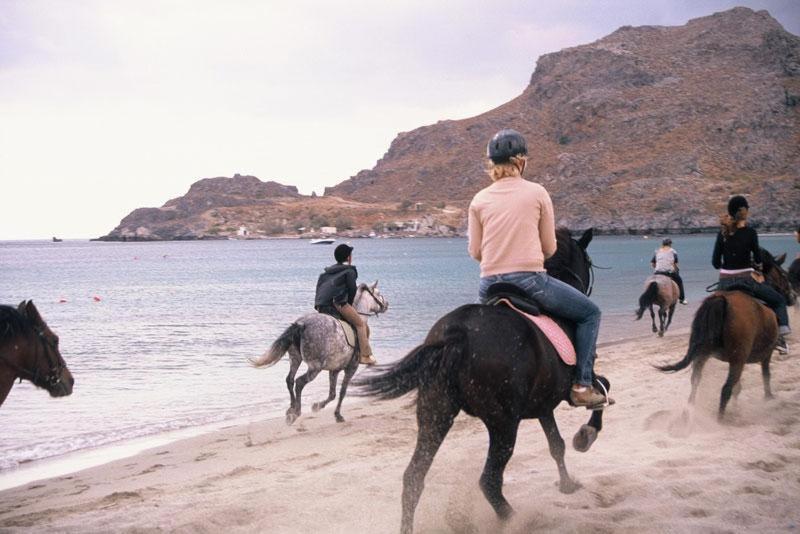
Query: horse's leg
[669, 316]
[766, 376]
[294, 364]
[348, 374]
[662, 319]
[435, 415]
[556, 443]
[734, 374]
[502, 438]
[653, 318]
[317, 406]
[587, 434]
[697, 373]
[300, 383]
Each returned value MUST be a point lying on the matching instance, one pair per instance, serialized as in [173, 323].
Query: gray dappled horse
[318, 340]
[663, 291]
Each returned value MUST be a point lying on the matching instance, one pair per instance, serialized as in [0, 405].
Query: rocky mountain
[649, 129]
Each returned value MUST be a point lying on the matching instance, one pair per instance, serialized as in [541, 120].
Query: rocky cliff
[650, 128]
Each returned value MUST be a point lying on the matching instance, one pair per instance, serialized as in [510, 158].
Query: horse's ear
[780, 259]
[21, 307]
[375, 284]
[586, 238]
[32, 313]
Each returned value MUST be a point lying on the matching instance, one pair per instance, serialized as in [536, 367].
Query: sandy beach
[657, 466]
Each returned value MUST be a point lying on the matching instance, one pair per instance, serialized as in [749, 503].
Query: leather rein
[381, 302]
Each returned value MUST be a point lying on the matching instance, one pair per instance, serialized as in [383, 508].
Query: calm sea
[164, 345]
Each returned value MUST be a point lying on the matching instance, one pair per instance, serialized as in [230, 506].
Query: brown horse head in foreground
[736, 328]
[29, 350]
[662, 291]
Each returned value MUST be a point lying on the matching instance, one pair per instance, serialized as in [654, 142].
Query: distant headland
[647, 130]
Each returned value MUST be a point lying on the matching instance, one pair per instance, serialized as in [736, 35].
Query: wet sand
[657, 466]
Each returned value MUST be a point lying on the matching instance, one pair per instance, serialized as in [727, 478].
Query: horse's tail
[426, 364]
[290, 336]
[647, 299]
[706, 335]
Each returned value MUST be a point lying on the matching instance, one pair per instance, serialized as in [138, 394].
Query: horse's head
[571, 263]
[369, 301]
[776, 276]
[48, 369]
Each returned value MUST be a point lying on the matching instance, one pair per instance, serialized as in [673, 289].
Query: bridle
[381, 302]
[586, 289]
[46, 381]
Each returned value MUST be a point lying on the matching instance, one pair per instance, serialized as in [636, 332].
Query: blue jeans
[558, 298]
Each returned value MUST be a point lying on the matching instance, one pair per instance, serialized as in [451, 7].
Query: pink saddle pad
[552, 331]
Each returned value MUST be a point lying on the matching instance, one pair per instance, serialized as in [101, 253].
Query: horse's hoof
[569, 486]
[291, 417]
[584, 438]
[339, 418]
[317, 406]
[504, 511]
[661, 334]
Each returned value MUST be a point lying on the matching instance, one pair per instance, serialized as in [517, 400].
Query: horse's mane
[12, 323]
[563, 256]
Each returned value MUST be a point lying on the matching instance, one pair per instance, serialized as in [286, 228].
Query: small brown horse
[736, 328]
[29, 350]
[663, 291]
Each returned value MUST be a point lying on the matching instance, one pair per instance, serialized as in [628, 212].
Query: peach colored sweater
[511, 227]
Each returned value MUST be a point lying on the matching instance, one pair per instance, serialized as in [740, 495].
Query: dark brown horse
[736, 328]
[662, 291]
[495, 365]
[29, 351]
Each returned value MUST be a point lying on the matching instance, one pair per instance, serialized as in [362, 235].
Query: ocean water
[164, 346]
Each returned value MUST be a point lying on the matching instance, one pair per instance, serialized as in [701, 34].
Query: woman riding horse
[511, 233]
[736, 251]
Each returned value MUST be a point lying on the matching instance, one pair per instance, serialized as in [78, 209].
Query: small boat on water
[323, 241]
[57, 240]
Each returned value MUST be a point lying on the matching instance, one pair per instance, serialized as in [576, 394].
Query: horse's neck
[360, 307]
[7, 373]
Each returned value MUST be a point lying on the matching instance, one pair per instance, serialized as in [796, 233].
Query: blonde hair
[513, 167]
[729, 224]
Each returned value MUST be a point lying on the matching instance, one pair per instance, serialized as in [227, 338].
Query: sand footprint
[153, 468]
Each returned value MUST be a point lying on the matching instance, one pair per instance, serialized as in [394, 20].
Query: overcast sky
[111, 105]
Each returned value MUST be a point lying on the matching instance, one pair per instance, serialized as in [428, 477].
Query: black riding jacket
[738, 251]
[336, 285]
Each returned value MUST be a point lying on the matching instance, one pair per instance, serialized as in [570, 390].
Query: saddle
[349, 331]
[515, 298]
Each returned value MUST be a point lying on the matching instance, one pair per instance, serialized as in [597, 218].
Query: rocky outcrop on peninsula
[650, 128]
